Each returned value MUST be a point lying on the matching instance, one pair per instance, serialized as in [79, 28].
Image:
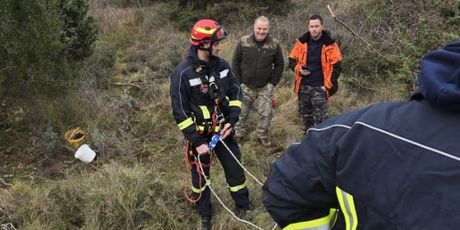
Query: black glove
[334, 88]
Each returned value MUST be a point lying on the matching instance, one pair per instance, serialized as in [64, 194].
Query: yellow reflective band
[185, 124]
[197, 190]
[205, 111]
[323, 223]
[347, 205]
[205, 31]
[235, 103]
[217, 129]
[237, 188]
[200, 128]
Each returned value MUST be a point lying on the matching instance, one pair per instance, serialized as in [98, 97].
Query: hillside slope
[122, 102]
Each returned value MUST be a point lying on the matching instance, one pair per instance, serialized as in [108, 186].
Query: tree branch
[352, 31]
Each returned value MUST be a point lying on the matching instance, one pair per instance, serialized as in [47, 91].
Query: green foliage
[186, 13]
[126, 3]
[30, 48]
[42, 44]
[79, 30]
[400, 34]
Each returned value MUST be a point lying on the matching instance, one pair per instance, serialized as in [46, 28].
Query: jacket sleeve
[236, 61]
[335, 58]
[336, 69]
[300, 189]
[278, 66]
[235, 95]
[294, 58]
[180, 91]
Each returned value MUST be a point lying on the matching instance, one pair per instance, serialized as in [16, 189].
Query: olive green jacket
[258, 63]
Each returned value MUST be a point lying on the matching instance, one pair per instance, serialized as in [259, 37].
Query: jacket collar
[325, 37]
[253, 37]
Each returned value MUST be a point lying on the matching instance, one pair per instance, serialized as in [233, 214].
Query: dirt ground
[17, 164]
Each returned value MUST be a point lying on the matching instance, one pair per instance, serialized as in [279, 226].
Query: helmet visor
[218, 35]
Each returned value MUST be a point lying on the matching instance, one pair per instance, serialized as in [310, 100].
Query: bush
[79, 31]
[41, 40]
[400, 34]
[186, 13]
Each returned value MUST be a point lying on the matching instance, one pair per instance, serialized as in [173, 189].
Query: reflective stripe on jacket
[190, 99]
[379, 166]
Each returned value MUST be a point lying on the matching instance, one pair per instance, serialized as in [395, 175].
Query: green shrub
[186, 13]
[42, 44]
[79, 29]
[400, 34]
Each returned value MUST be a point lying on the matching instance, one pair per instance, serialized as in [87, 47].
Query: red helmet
[206, 30]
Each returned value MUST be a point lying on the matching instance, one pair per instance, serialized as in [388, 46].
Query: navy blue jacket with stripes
[388, 166]
[189, 94]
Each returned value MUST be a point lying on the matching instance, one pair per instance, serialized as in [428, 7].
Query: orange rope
[188, 178]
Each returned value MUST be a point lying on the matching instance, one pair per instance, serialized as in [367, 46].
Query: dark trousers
[234, 176]
[312, 105]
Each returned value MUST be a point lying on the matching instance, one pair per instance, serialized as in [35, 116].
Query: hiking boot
[206, 222]
[265, 142]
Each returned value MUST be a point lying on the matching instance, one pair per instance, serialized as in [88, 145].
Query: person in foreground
[206, 99]
[388, 166]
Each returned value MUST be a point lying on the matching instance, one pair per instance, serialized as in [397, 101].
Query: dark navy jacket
[388, 166]
[190, 96]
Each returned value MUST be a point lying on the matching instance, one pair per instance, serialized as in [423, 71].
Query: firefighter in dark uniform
[206, 99]
[388, 166]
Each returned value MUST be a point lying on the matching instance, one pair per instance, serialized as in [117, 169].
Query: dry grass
[138, 180]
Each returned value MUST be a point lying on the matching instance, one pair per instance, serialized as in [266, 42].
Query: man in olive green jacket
[258, 64]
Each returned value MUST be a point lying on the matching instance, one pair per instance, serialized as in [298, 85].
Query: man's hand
[304, 72]
[226, 130]
[202, 149]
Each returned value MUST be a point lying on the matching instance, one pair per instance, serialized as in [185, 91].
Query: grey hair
[262, 19]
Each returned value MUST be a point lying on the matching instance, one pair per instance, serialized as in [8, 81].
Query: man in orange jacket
[315, 60]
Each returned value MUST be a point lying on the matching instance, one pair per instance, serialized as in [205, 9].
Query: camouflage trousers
[312, 105]
[259, 101]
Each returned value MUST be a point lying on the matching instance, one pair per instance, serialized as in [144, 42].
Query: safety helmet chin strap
[213, 39]
[209, 49]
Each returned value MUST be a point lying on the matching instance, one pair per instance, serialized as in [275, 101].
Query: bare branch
[351, 30]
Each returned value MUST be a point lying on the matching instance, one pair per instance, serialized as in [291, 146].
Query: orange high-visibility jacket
[330, 56]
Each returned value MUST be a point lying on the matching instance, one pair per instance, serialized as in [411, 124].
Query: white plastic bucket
[85, 153]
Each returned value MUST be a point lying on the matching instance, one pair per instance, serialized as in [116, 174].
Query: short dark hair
[316, 17]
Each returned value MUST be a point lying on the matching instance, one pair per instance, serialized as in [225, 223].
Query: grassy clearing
[123, 103]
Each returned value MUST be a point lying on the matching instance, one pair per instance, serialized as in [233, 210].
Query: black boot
[206, 222]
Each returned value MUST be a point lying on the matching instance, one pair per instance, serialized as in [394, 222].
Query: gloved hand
[334, 88]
